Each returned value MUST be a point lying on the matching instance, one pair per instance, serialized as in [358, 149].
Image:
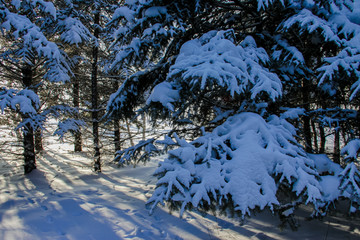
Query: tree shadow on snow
[91, 208]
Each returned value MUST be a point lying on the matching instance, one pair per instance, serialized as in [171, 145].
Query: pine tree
[28, 25]
[231, 71]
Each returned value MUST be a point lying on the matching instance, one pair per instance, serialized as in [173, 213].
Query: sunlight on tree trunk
[129, 132]
[38, 141]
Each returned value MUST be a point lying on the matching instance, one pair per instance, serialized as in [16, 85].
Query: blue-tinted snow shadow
[52, 213]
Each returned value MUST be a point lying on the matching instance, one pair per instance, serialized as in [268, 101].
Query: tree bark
[315, 136]
[29, 149]
[144, 127]
[76, 102]
[337, 146]
[129, 132]
[28, 131]
[94, 93]
[117, 135]
[305, 91]
[322, 139]
[38, 141]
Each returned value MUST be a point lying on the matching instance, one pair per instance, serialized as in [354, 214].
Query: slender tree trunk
[28, 140]
[315, 136]
[307, 134]
[337, 146]
[144, 127]
[94, 93]
[38, 135]
[322, 139]
[129, 132]
[76, 102]
[117, 135]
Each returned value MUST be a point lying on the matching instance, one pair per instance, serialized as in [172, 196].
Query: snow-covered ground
[64, 199]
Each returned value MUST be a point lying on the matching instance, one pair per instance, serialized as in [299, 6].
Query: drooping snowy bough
[244, 164]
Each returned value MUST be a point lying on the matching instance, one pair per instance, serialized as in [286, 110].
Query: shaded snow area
[64, 199]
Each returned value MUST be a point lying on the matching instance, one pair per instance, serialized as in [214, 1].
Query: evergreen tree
[241, 73]
[28, 25]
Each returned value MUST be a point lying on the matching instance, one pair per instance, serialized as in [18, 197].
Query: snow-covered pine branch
[352, 150]
[341, 28]
[214, 63]
[32, 38]
[141, 152]
[242, 165]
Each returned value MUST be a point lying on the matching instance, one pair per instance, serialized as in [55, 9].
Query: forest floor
[65, 199]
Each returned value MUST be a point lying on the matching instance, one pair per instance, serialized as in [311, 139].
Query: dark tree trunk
[315, 136]
[322, 139]
[144, 127]
[117, 135]
[29, 149]
[94, 93]
[28, 140]
[38, 141]
[306, 119]
[78, 142]
[76, 102]
[337, 146]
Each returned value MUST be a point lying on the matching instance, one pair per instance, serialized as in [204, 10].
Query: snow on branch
[242, 165]
[263, 4]
[309, 22]
[69, 125]
[215, 62]
[32, 38]
[350, 184]
[352, 150]
[25, 101]
[339, 29]
[74, 31]
[141, 152]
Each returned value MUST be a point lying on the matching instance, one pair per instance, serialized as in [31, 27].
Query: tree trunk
[76, 102]
[117, 135]
[306, 119]
[38, 141]
[129, 132]
[29, 149]
[28, 140]
[322, 139]
[144, 127]
[94, 93]
[315, 136]
[337, 146]
[307, 134]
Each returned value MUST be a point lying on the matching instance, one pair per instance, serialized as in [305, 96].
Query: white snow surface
[64, 199]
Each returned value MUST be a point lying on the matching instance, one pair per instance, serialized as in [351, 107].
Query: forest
[255, 103]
